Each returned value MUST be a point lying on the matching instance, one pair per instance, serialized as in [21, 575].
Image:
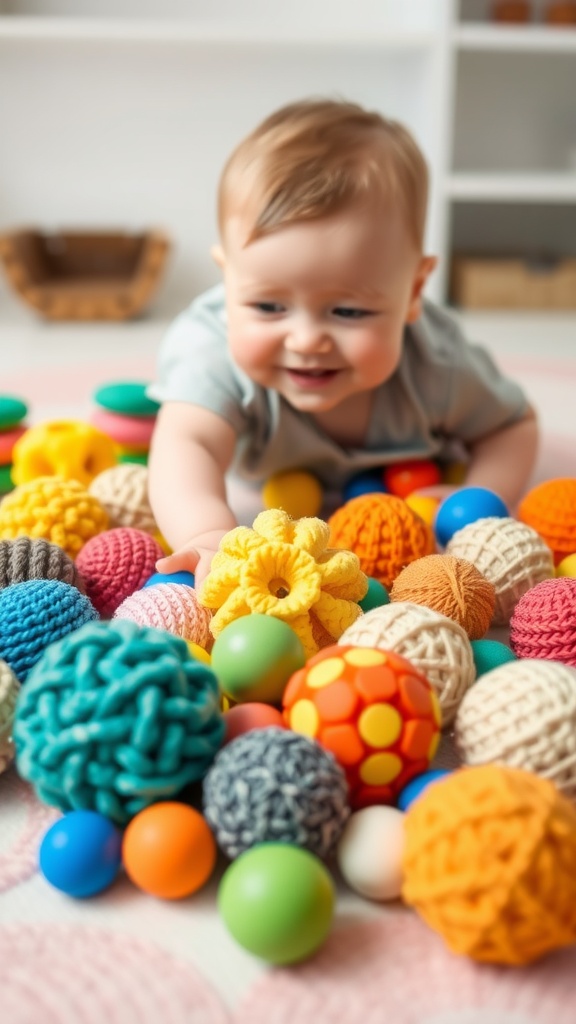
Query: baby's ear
[426, 266]
[217, 254]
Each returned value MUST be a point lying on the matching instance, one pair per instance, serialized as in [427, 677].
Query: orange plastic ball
[404, 477]
[252, 715]
[550, 509]
[168, 850]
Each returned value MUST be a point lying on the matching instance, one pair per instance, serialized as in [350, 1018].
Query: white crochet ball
[9, 690]
[123, 490]
[523, 714]
[511, 555]
[435, 644]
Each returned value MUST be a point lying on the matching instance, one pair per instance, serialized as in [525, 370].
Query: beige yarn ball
[123, 491]
[523, 714]
[511, 555]
[9, 690]
[452, 586]
[435, 644]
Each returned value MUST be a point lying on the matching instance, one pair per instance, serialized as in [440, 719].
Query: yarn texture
[170, 606]
[115, 717]
[27, 559]
[451, 586]
[543, 624]
[115, 564]
[489, 864]
[123, 491]
[383, 531]
[9, 690]
[58, 510]
[550, 508]
[522, 714]
[509, 554]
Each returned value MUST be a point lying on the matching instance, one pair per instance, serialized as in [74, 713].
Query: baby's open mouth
[311, 376]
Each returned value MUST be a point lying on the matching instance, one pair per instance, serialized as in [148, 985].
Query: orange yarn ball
[489, 863]
[550, 509]
[383, 531]
[452, 586]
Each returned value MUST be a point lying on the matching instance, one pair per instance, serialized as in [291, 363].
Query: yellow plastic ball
[198, 652]
[567, 567]
[296, 492]
[423, 506]
[70, 449]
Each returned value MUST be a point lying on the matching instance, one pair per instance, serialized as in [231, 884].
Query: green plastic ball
[489, 654]
[277, 901]
[375, 596]
[254, 657]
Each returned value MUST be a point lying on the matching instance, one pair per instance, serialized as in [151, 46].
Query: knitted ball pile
[116, 717]
[123, 492]
[58, 510]
[70, 449]
[543, 624]
[489, 864]
[509, 554]
[383, 531]
[27, 559]
[522, 714]
[435, 644]
[9, 690]
[33, 615]
[451, 586]
[169, 606]
[115, 564]
[550, 508]
[272, 785]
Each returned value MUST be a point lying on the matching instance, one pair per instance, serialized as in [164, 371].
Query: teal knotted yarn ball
[34, 614]
[115, 717]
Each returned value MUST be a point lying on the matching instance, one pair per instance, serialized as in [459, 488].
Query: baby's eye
[268, 307]
[348, 313]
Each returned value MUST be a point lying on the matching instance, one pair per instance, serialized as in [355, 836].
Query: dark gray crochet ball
[274, 785]
[33, 558]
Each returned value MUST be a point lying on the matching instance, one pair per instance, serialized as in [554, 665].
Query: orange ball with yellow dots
[374, 710]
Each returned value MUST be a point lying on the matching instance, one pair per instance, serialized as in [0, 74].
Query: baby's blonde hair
[316, 157]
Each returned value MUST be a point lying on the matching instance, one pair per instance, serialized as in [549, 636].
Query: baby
[318, 351]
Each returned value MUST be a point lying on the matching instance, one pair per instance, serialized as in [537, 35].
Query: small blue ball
[489, 654]
[375, 596]
[80, 853]
[416, 787]
[186, 578]
[368, 482]
[466, 506]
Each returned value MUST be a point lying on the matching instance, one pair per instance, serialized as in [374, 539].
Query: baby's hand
[196, 556]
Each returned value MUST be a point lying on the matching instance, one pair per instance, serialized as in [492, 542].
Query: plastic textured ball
[271, 785]
[9, 690]
[35, 614]
[168, 850]
[419, 785]
[184, 577]
[489, 654]
[509, 554]
[243, 718]
[123, 491]
[61, 511]
[465, 506]
[277, 901]
[383, 532]
[80, 853]
[27, 559]
[436, 646]
[522, 714]
[297, 492]
[172, 607]
[255, 656]
[373, 710]
[369, 853]
[550, 509]
[543, 624]
[116, 717]
[451, 586]
[402, 478]
[115, 564]
[69, 449]
[489, 864]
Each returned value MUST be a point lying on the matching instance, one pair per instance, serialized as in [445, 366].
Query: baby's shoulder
[435, 339]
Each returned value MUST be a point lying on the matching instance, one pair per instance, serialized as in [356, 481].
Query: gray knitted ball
[33, 558]
[274, 785]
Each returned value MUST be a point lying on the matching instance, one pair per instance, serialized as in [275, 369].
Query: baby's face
[316, 310]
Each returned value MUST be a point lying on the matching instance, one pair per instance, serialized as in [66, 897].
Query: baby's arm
[190, 453]
[503, 461]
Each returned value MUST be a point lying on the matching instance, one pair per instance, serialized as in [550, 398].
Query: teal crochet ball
[34, 614]
[116, 717]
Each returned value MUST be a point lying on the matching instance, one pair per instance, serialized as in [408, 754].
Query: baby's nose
[308, 335]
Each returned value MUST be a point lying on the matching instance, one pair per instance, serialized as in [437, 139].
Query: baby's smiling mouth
[313, 378]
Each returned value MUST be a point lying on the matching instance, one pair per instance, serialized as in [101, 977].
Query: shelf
[515, 188]
[507, 38]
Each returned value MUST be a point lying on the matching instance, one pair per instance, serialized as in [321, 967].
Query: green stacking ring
[12, 411]
[128, 398]
[6, 479]
[140, 457]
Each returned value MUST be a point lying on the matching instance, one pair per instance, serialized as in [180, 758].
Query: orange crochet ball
[550, 509]
[449, 585]
[383, 532]
[489, 863]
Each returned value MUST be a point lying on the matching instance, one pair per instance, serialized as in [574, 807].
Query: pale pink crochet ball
[170, 606]
[543, 624]
[116, 563]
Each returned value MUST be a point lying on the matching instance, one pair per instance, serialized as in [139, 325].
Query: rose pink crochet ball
[543, 624]
[116, 563]
[170, 606]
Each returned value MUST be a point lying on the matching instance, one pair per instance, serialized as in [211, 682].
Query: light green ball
[489, 654]
[254, 657]
[375, 596]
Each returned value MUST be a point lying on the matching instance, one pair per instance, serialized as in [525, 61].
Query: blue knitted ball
[33, 615]
[116, 717]
[274, 785]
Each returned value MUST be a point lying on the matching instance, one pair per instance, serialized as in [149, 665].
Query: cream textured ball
[9, 690]
[523, 714]
[511, 555]
[172, 607]
[436, 645]
[123, 491]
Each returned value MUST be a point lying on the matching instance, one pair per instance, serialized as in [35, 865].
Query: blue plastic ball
[416, 787]
[80, 853]
[368, 482]
[375, 596]
[466, 506]
[489, 654]
[186, 578]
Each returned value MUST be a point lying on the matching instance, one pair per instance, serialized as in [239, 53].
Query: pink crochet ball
[543, 624]
[170, 606]
[116, 563]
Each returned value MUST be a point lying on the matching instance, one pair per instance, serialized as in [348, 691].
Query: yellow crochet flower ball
[489, 864]
[59, 510]
[283, 567]
[70, 449]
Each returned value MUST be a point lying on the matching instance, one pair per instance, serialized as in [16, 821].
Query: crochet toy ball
[489, 864]
[172, 607]
[59, 510]
[383, 531]
[451, 586]
[272, 785]
[27, 559]
[543, 624]
[550, 508]
[9, 690]
[434, 644]
[116, 717]
[509, 554]
[33, 615]
[522, 714]
[69, 449]
[115, 564]
[373, 710]
[123, 491]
